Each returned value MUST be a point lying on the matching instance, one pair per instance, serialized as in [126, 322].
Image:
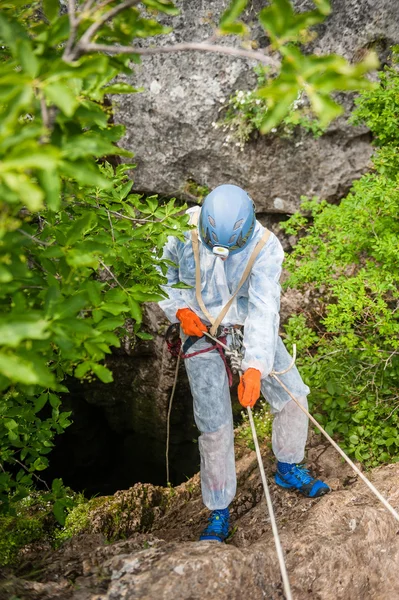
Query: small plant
[246, 112]
[41, 516]
[195, 189]
[263, 420]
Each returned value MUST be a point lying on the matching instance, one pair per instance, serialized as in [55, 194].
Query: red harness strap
[219, 348]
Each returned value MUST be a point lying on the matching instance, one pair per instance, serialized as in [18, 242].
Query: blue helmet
[227, 220]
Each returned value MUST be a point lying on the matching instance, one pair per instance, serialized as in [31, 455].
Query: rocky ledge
[140, 543]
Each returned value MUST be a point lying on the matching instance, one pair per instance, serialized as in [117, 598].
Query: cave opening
[92, 458]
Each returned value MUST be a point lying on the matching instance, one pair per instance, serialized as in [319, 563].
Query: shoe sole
[288, 486]
[211, 539]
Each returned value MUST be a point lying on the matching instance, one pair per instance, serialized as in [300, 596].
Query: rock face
[339, 547]
[169, 125]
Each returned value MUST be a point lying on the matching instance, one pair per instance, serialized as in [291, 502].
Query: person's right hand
[190, 322]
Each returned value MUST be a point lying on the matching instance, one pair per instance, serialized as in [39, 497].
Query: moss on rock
[118, 516]
[16, 532]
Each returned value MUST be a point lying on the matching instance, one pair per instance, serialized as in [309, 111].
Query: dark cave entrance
[91, 457]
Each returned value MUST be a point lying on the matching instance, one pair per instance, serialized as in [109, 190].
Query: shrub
[349, 340]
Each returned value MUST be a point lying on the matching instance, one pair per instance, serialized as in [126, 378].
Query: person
[228, 233]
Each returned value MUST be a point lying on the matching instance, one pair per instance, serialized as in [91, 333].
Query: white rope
[279, 550]
[168, 417]
[341, 452]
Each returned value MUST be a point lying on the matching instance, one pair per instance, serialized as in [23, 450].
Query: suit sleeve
[262, 322]
[174, 301]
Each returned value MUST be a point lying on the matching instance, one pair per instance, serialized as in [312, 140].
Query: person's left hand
[249, 388]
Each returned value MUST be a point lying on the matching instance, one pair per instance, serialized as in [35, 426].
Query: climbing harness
[215, 322]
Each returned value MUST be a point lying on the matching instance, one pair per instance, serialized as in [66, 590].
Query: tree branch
[116, 214]
[88, 5]
[31, 237]
[91, 32]
[182, 47]
[27, 470]
[44, 111]
[111, 274]
[74, 23]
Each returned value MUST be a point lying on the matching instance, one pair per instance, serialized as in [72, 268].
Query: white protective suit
[257, 308]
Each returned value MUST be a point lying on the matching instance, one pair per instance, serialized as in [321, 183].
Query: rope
[279, 549]
[168, 417]
[341, 452]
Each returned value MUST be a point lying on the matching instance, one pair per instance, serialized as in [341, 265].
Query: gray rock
[169, 125]
[339, 547]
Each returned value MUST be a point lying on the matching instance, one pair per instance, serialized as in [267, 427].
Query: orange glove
[249, 388]
[190, 322]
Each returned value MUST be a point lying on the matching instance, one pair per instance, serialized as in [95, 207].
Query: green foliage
[15, 533]
[228, 21]
[263, 420]
[349, 260]
[36, 518]
[77, 520]
[246, 112]
[316, 76]
[78, 251]
[195, 189]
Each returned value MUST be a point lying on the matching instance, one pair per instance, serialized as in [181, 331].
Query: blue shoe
[218, 528]
[298, 478]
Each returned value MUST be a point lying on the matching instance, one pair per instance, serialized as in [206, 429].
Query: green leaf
[28, 60]
[324, 6]
[81, 227]
[30, 193]
[5, 274]
[14, 329]
[145, 296]
[144, 336]
[164, 6]
[278, 110]
[82, 369]
[85, 173]
[135, 310]
[54, 400]
[77, 259]
[32, 156]
[10, 424]
[59, 31]
[59, 511]
[104, 374]
[325, 107]
[40, 463]
[110, 323]
[121, 88]
[182, 286]
[19, 369]
[234, 10]
[62, 96]
[51, 9]
[234, 29]
[113, 308]
[39, 402]
[331, 388]
[51, 184]
[11, 32]
[94, 292]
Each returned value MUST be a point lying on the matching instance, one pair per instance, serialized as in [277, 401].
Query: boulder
[343, 545]
[169, 124]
